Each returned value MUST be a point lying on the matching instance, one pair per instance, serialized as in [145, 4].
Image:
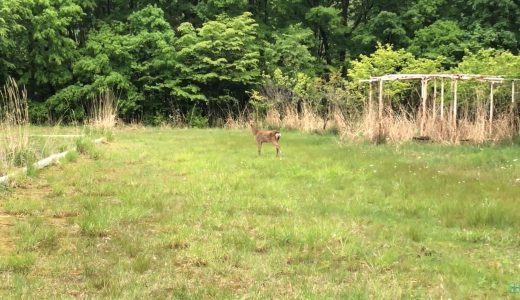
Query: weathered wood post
[380, 109]
[370, 110]
[424, 97]
[513, 92]
[442, 100]
[455, 84]
[512, 109]
[370, 101]
[491, 106]
[434, 101]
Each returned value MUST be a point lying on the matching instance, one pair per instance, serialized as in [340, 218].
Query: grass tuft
[18, 263]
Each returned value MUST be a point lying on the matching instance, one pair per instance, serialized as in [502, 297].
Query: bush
[196, 119]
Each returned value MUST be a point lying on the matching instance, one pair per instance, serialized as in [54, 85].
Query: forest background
[203, 61]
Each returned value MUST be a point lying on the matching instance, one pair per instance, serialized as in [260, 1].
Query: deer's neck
[254, 130]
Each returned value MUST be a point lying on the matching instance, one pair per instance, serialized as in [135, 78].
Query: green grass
[45, 141]
[162, 213]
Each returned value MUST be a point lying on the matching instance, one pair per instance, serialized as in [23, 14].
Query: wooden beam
[434, 100]
[491, 106]
[424, 97]
[370, 101]
[380, 108]
[389, 77]
[455, 84]
[513, 92]
[442, 100]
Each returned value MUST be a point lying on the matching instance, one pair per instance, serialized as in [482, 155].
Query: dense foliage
[203, 58]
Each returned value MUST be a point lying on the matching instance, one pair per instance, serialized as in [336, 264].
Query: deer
[266, 136]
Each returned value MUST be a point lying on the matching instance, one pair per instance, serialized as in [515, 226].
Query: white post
[424, 96]
[513, 92]
[370, 100]
[491, 104]
[434, 100]
[442, 100]
[455, 104]
[380, 112]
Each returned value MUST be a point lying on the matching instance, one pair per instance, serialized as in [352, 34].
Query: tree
[219, 59]
[38, 36]
[136, 59]
[329, 29]
[290, 51]
[442, 38]
[385, 28]
[209, 9]
[386, 60]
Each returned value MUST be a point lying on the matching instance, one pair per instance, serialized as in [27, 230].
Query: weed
[71, 156]
[19, 263]
[34, 234]
[86, 146]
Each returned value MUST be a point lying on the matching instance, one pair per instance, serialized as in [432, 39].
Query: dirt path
[6, 242]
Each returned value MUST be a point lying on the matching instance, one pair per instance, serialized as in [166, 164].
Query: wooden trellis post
[424, 97]
[512, 109]
[442, 100]
[434, 100]
[455, 84]
[512, 97]
[513, 92]
[491, 105]
[370, 101]
[380, 108]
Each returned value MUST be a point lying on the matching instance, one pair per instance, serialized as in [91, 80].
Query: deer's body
[266, 136]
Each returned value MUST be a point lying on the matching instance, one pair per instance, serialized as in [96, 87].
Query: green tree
[103, 65]
[39, 39]
[492, 62]
[385, 28]
[442, 38]
[210, 9]
[219, 59]
[328, 28]
[137, 59]
[290, 51]
[151, 46]
[386, 60]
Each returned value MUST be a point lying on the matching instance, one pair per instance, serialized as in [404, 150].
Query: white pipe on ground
[43, 163]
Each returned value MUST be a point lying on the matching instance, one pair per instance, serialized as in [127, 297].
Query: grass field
[165, 213]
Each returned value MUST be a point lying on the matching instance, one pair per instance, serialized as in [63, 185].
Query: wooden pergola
[380, 80]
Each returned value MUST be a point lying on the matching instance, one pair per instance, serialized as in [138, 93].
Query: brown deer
[266, 136]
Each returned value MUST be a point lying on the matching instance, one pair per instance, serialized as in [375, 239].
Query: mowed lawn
[171, 213]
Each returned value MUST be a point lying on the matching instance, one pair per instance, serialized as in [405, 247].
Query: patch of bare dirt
[6, 243]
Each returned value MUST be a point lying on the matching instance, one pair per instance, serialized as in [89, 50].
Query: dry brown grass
[236, 123]
[402, 126]
[14, 124]
[307, 120]
[103, 110]
[395, 127]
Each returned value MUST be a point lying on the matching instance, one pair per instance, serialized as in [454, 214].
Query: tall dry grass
[308, 119]
[401, 126]
[14, 125]
[103, 110]
[396, 126]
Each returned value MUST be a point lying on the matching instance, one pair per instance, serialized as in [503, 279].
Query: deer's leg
[278, 150]
[259, 145]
